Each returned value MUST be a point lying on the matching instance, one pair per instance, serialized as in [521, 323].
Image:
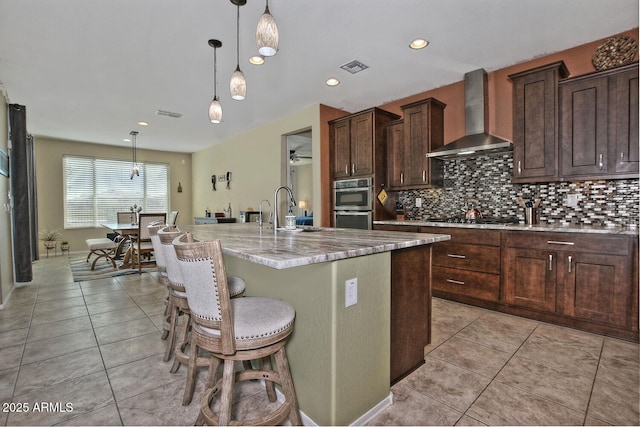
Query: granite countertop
[296, 248]
[558, 228]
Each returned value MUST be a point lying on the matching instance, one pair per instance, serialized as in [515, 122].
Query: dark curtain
[19, 164]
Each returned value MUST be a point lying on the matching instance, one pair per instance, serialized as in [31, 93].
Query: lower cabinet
[581, 277]
[468, 264]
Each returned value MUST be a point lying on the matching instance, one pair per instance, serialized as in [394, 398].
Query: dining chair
[238, 329]
[141, 243]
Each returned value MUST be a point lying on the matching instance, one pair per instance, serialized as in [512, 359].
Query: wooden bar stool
[179, 306]
[240, 329]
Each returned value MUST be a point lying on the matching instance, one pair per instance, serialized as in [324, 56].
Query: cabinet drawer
[467, 235]
[467, 257]
[574, 242]
[470, 283]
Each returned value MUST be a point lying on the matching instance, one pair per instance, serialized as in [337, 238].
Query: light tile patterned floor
[97, 346]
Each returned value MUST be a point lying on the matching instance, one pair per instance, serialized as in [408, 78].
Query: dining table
[125, 229]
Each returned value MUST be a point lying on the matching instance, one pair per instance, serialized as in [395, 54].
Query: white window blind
[96, 189]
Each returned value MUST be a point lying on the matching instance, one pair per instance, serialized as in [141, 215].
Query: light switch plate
[418, 202]
[351, 292]
[572, 200]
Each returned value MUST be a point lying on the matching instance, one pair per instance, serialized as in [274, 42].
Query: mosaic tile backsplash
[487, 179]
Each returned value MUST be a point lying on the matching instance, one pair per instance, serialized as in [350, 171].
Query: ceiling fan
[295, 157]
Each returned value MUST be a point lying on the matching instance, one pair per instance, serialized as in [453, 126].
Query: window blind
[95, 189]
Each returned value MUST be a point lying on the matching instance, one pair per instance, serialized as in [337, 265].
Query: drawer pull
[455, 282]
[559, 242]
[456, 256]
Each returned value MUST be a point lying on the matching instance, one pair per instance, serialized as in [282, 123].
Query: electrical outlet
[572, 200]
[351, 292]
[418, 202]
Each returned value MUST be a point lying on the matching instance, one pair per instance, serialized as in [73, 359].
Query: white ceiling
[89, 70]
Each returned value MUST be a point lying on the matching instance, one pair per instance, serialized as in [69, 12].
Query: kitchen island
[340, 356]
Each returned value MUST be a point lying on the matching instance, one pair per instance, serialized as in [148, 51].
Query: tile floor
[96, 345]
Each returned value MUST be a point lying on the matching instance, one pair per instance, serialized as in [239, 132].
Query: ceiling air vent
[354, 66]
[168, 114]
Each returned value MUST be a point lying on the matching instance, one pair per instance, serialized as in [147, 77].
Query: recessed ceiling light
[142, 123]
[332, 81]
[418, 43]
[257, 60]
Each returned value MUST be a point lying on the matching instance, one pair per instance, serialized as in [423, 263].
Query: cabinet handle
[621, 155]
[550, 262]
[456, 256]
[569, 262]
[519, 167]
[401, 177]
[559, 242]
[353, 168]
[455, 282]
[346, 169]
[600, 163]
[424, 176]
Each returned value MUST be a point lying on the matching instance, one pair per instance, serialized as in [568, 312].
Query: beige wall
[49, 153]
[256, 160]
[6, 253]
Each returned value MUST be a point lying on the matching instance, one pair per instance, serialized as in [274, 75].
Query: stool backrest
[173, 217]
[205, 280]
[166, 236]
[155, 241]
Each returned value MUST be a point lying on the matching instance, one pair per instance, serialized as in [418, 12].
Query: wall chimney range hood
[476, 140]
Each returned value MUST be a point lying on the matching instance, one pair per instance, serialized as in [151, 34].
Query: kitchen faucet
[260, 217]
[275, 205]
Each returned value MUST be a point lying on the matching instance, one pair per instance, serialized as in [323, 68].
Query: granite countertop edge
[558, 228]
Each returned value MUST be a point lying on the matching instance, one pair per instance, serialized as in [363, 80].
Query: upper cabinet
[599, 125]
[420, 132]
[358, 145]
[535, 123]
[580, 128]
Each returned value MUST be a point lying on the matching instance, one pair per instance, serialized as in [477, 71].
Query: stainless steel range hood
[476, 140]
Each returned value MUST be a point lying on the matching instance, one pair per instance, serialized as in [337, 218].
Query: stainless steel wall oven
[353, 203]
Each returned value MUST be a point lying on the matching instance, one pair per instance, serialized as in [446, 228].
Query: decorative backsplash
[487, 179]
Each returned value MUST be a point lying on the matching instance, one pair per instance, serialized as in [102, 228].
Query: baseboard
[364, 419]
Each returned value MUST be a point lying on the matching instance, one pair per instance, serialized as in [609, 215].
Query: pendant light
[238, 85]
[267, 34]
[135, 169]
[215, 108]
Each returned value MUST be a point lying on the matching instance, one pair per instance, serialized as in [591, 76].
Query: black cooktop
[462, 220]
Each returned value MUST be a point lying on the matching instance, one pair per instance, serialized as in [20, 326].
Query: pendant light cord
[238, 39]
[214, 72]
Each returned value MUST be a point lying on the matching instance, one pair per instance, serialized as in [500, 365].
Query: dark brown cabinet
[530, 278]
[420, 132]
[358, 145]
[396, 156]
[599, 125]
[583, 277]
[468, 265]
[535, 123]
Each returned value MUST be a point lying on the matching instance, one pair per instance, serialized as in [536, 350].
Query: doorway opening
[300, 174]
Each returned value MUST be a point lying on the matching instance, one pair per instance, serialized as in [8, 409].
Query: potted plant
[49, 237]
[64, 246]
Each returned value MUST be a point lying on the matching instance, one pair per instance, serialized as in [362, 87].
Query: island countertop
[296, 248]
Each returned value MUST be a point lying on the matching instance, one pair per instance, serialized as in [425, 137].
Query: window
[95, 189]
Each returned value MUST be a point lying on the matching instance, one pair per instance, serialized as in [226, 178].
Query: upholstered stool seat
[233, 330]
[162, 270]
[103, 248]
